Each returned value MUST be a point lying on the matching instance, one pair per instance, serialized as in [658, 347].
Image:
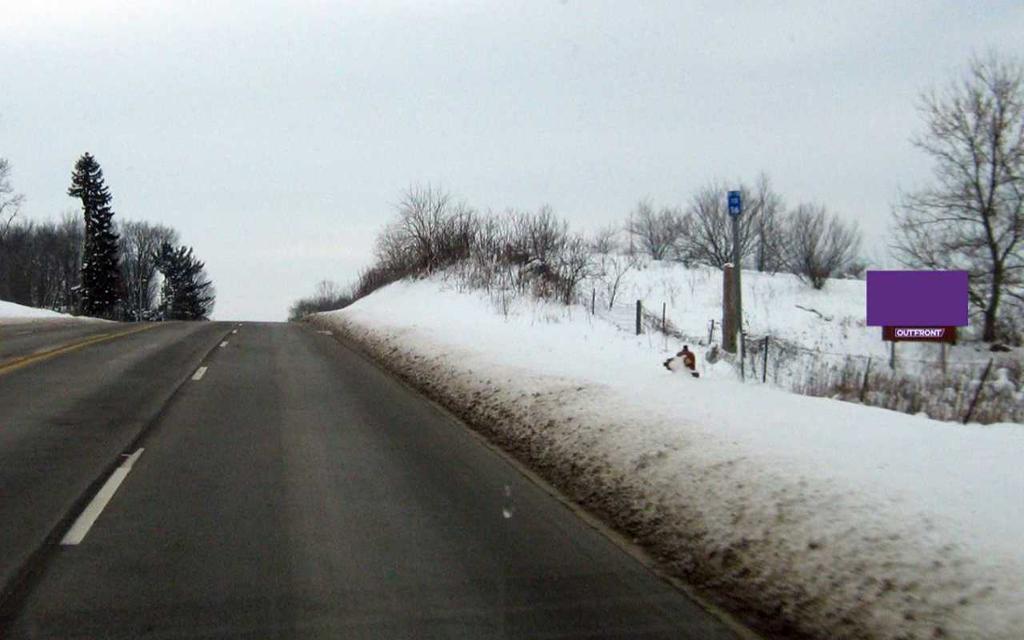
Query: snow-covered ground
[837, 519]
[10, 313]
[830, 322]
[818, 342]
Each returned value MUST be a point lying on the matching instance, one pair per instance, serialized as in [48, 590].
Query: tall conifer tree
[101, 276]
[187, 293]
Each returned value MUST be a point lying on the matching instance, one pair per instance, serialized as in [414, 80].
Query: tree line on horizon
[91, 265]
[971, 218]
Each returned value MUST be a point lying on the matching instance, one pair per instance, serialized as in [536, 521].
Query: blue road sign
[735, 205]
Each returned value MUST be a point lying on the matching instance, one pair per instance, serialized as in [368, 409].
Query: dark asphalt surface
[64, 420]
[26, 338]
[297, 491]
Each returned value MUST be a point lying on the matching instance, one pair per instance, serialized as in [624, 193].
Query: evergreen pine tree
[187, 294]
[101, 276]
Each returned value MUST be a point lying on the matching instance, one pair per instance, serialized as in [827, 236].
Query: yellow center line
[17, 363]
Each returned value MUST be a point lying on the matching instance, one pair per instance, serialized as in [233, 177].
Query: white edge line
[200, 372]
[84, 523]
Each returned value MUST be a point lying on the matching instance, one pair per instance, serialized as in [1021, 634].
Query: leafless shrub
[328, 297]
[432, 232]
[509, 253]
[818, 245]
[609, 269]
[606, 240]
[573, 265]
[540, 237]
[768, 210]
[376, 277]
[657, 233]
[940, 396]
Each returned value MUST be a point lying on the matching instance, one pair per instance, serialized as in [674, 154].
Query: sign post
[735, 203]
[918, 306]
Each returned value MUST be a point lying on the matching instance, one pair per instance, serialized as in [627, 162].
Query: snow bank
[803, 514]
[10, 312]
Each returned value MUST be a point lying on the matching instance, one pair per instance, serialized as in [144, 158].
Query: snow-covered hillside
[830, 321]
[841, 520]
[818, 342]
[10, 312]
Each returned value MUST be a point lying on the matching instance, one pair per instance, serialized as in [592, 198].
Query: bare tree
[973, 218]
[39, 263]
[139, 245]
[768, 209]
[69, 259]
[328, 297]
[657, 233]
[10, 202]
[606, 240]
[572, 266]
[819, 245]
[709, 241]
[542, 236]
[432, 232]
[610, 269]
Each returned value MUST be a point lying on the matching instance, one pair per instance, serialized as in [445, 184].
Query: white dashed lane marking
[84, 523]
[200, 372]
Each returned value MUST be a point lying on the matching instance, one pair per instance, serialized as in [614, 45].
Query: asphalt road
[27, 338]
[293, 491]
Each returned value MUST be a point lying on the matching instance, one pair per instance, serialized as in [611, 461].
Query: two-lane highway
[294, 490]
[66, 414]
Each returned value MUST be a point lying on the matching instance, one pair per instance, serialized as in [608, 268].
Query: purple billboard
[917, 298]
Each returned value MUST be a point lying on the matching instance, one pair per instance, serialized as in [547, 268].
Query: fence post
[711, 333]
[977, 394]
[593, 301]
[743, 356]
[764, 367]
[864, 382]
[942, 357]
[638, 314]
[892, 355]
[663, 326]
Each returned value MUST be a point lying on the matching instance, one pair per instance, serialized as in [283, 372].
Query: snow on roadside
[11, 312]
[831, 518]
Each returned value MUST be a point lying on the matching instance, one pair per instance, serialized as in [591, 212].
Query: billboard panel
[917, 298]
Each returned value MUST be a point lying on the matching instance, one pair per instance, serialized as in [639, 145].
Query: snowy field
[819, 343]
[11, 313]
[830, 322]
[809, 514]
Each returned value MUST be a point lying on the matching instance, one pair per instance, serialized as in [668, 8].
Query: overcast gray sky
[276, 137]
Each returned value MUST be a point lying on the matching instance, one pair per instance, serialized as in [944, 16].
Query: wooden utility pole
[728, 310]
[732, 301]
[737, 268]
[764, 367]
